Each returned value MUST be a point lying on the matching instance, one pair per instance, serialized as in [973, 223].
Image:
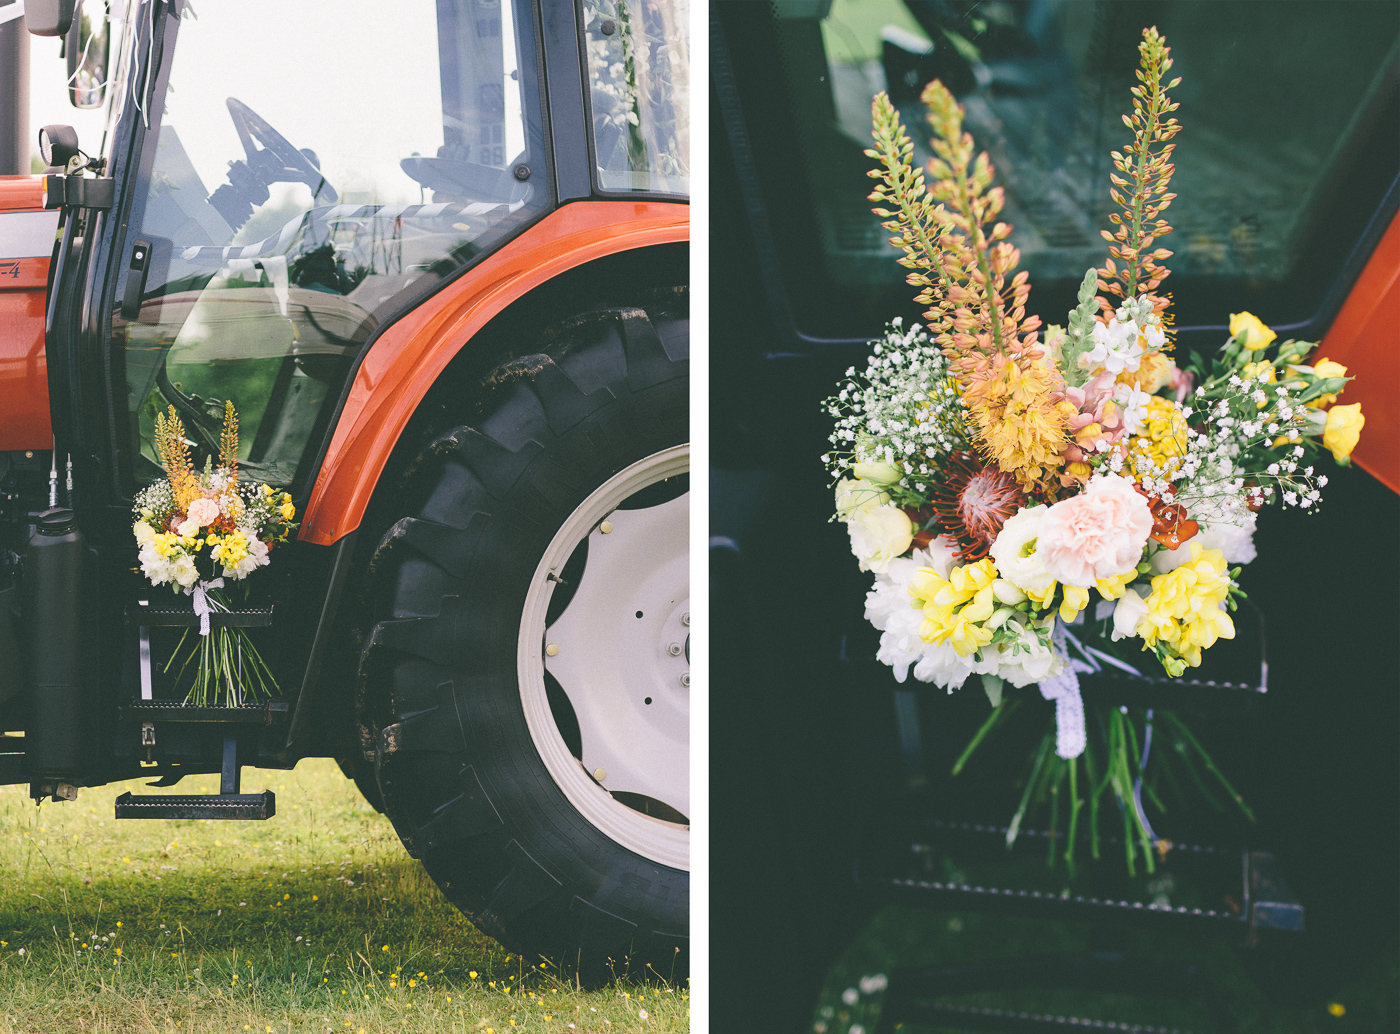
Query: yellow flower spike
[1250, 331]
[1075, 600]
[1042, 598]
[1344, 424]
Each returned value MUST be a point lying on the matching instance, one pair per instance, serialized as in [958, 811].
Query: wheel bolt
[605, 527]
[685, 619]
[552, 649]
[685, 679]
[674, 649]
[600, 774]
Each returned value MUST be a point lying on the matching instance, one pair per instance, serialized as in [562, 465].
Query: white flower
[854, 494]
[257, 557]
[887, 608]
[203, 512]
[879, 535]
[1128, 612]
[877, 472]
[1133, 404]
[144, 532]
[1032, 662]
[1235, 541]
[1014, 551]
[188, 527]
[183, 571]
[1116, 347]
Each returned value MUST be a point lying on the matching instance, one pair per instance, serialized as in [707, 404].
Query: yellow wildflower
[1015, 420]
[1250, 330]
[1327, 368]
[288, 510]
[1343, 428]
[954, 607]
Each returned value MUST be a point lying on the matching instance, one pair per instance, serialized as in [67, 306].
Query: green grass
[313, 921]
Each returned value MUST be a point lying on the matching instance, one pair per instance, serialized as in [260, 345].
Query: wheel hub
[620, 651]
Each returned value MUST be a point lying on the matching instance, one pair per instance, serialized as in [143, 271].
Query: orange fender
[26, 244]
[1365, 338]
[408, 357]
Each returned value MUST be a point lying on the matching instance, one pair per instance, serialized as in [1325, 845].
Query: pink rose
[203, 512]
[1099, 533]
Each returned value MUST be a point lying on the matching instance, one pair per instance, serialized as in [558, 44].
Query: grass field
[314, 921]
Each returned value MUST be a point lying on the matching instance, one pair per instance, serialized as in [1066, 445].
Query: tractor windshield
[308, 170]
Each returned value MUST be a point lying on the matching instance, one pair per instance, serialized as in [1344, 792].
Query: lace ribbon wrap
[202, 605]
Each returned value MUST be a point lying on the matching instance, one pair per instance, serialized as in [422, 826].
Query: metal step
[248, 806]
[228, 803]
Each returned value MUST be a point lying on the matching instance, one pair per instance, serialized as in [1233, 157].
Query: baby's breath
[904, 409]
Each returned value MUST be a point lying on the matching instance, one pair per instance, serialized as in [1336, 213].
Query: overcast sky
[376, 91]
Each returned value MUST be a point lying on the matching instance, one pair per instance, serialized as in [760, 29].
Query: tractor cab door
[304, 175]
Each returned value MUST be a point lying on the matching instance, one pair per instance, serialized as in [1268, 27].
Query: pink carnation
[203, 511]
[1099, 533]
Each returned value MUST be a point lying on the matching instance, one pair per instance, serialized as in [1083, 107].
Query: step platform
[247, 806]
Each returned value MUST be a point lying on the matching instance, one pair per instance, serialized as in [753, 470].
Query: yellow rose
[1343, 428]
[288, 510]
[1248, 328]
[1327, 368]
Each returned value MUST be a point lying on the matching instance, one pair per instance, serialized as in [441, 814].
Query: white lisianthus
[1032, 662]
[183, 571]
[155, 567]
[1014, 553]
[887, 608]
[876, 472]
[144, 533]
[1116, 347]
[855, 494]
[879, 535]
[1128, 613]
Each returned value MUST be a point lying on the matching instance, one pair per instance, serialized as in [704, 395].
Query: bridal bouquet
[998, 480]
[198, 531]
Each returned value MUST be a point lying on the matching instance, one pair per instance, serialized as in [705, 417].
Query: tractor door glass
[309, 170]
[639, 93]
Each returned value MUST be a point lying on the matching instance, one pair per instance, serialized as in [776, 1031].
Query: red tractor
[436, 256]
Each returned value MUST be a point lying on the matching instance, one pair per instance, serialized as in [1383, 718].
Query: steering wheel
[271, 159]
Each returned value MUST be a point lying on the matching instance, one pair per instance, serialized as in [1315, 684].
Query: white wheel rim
[627, 677]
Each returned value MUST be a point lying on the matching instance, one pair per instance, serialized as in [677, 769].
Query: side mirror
[49, 17]
[87, 51]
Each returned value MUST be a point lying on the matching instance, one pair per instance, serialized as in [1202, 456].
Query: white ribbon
[1064, 690]
[202, 606]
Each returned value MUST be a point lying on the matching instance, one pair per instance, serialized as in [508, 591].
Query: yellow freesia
[1343, 428]
[1113, 588]
[1250, 330]
[1075, 600]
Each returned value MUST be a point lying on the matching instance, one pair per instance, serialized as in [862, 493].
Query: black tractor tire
[439, 688]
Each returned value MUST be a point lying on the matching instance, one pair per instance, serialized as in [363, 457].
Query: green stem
[1210, 764]
[1015, 827]
[999, 714]
[1058, 767]
[1074, 805]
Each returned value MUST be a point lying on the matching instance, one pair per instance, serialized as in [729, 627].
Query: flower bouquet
[197, 531]
[996, 479]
